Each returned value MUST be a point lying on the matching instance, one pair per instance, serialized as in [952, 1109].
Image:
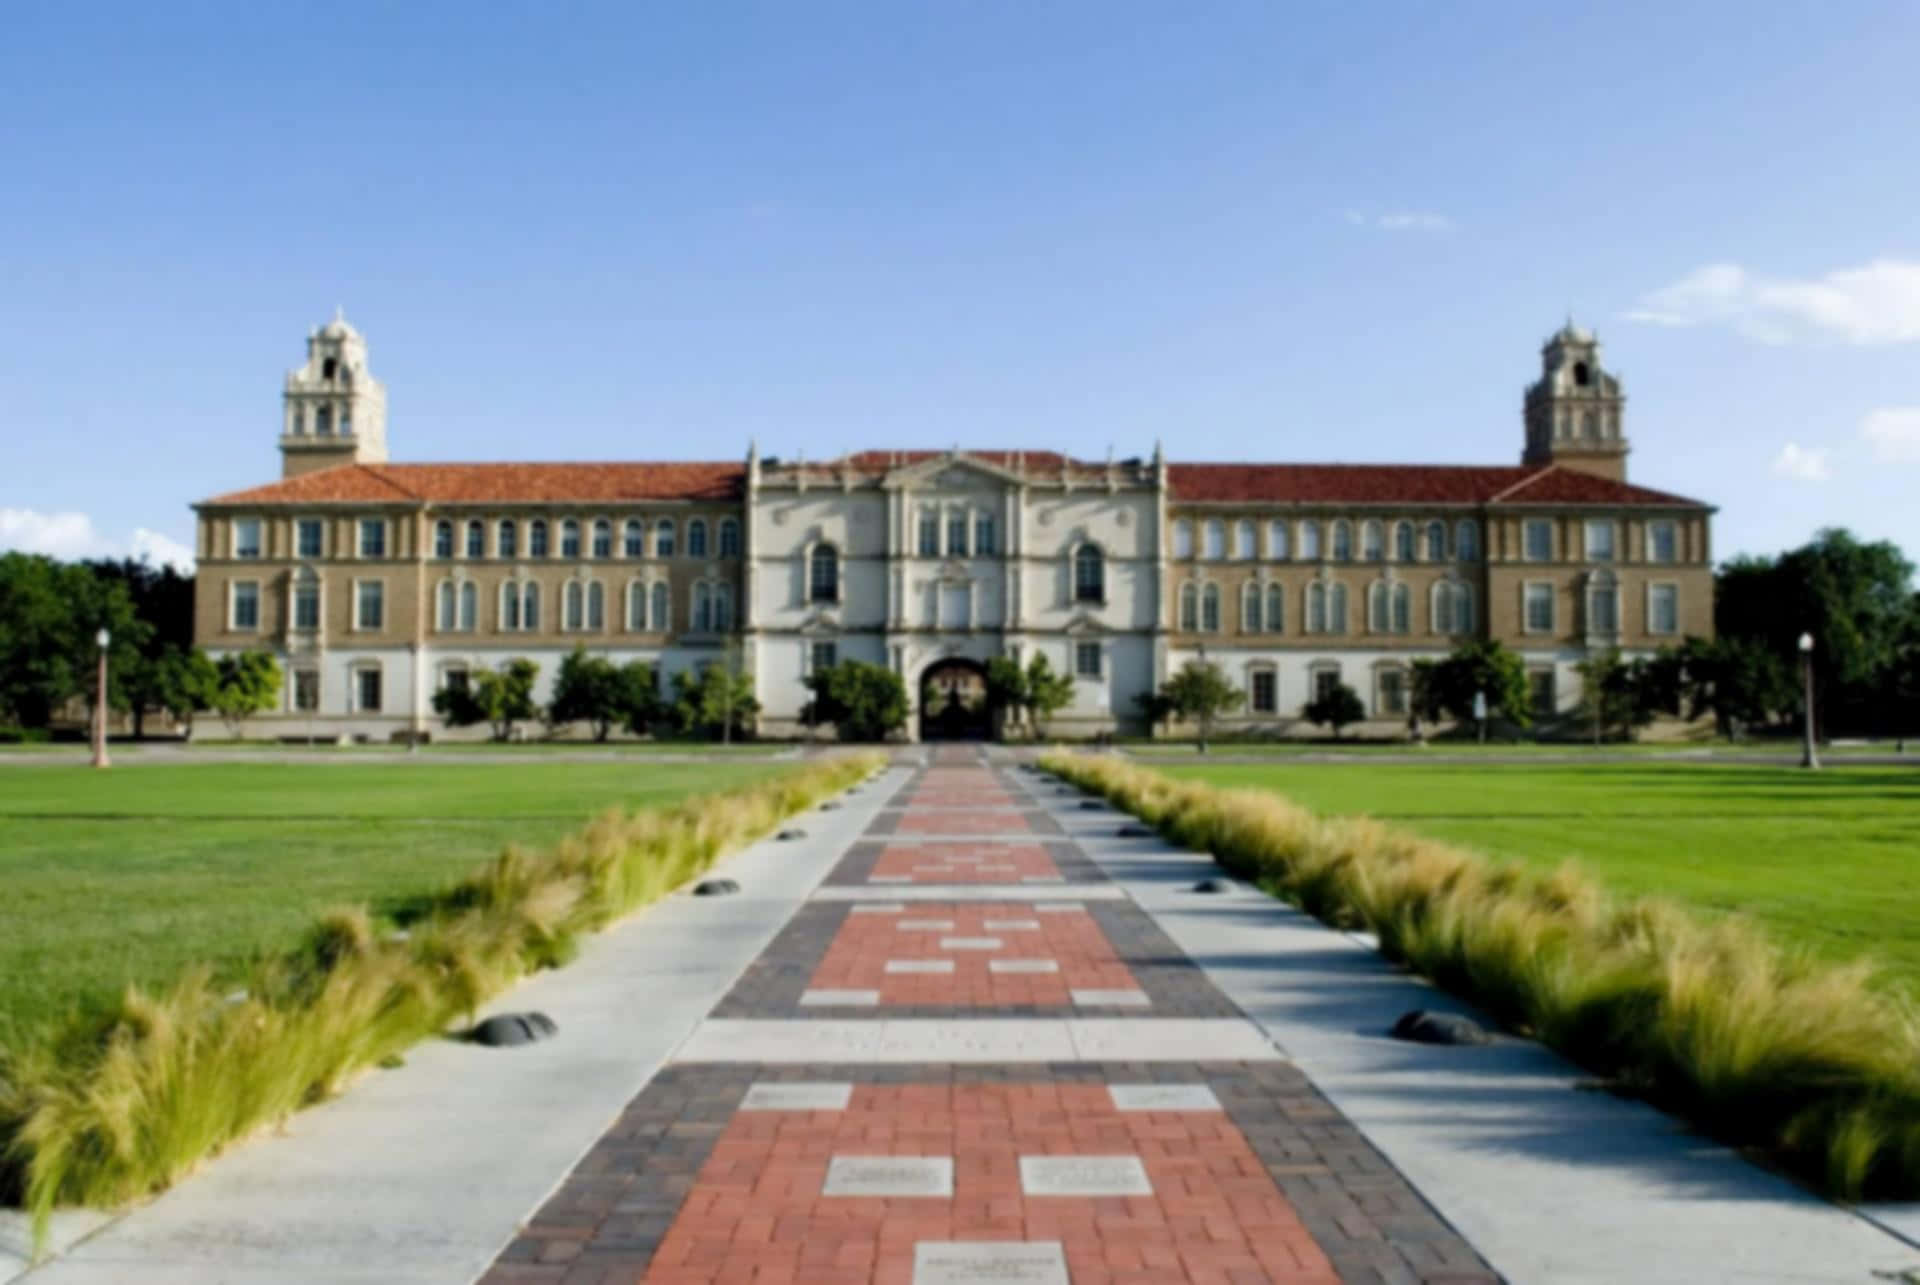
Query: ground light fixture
[1809, 754]
[101, 639]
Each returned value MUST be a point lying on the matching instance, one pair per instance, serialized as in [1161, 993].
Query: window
[662, 610]
[983, 533]
[823, 574]
[530, 607]
[1378, 608]
[602, 538]
[455, 678]
[1540, 692]
[573, 606]
[1403, 549]
[1539, 540]
[443, 606]
[246, 537]
[1466, 540]
[1337, 609]
[1250, 601]
[1215, 546]
[1310, 541]
[507, 541]
[1183, 539]
[1539, 609]
[1264, 694]
[1243, 540]
[366, 690]
[1436, 542]
[729, 538]
[1277, 541]
[1663, 609]
[1603, 607]
[373, 537]
[1392, 697]
[702, 608]
[822, 656]
[537, 538]
[596, 607]
[1373, 541]
[1325, 679]
[1342, 541]
[1316, 609]
[306, 690]
[307, 537]
[346, 421]
[1600, 541]
[697, 538]
[1662, 542]
[246, 605]
[510, 607]
[722, 607]
[1452, 608]
[1189, 607]
[1086, 660]
[663, 538]
[306, 605]
[1402, 619]
[633, 538]
[1210, 609]
[443, 539]
[370, 605]
[1089, 574]
[956, 535]
[929, 545]
[636, 608]
[323, 420]
[1276, 617]
[569, 539]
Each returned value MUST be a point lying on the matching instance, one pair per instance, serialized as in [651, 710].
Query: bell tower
[335, 412]
[1573, 413]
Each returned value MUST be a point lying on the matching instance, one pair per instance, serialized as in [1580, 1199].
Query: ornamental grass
[1811, 1064]
[115, 1107]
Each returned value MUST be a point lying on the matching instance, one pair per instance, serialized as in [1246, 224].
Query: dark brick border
[856, 866]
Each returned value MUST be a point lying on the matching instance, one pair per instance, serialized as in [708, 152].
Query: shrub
[1761, 1047]
[864, 702]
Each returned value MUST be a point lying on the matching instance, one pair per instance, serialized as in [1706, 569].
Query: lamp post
[100, 701]
[1809, 754]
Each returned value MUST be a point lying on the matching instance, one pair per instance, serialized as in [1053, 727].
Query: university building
[376, 583]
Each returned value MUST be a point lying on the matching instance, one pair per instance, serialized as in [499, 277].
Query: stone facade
[377, 583]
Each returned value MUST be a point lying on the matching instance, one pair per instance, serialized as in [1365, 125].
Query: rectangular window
[370, 605]
[246, 537]
[1663, 609]
[1216, 539]
[246, 605]
[1603, 611]
[1539, 609]
[1662, 542]
[1324, 681]
[1600, 541]
[1393, 691]
[366, 691]
[1539, 540]
[1086, 660]
[1265, 693]
[983, 545]
[929, 534]
[957, 535]
[1540, 690]
[373, 537]
[306, 606]
[306, 690]
[307, 537]
[822, 655]
[476, 540]
[454, 679]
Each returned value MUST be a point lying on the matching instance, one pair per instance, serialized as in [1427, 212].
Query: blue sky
[1252, 231]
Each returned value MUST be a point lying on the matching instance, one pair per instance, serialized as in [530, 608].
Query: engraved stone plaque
[925, 925]
[1012, 925]
[889, 878]
[1111, 998]
[849, 998]
[889, 1176]
[1043, 879]
[989, 1262]
[1060, 908]
[1084, 1176]
[813, 1096]
[919, 965]
[971, 943]
[1023, 966]
[878, 908]
[1163, 1097]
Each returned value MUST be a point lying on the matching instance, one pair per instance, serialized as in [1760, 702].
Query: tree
[161, 601]
[1006, 691]
[1201, 692]
[588, 689]
[1155, 708]
[1740, 681]
[713, 702]
[1336, 707]
[638, 696]
[1047, 693]
[1482, 666]
[245, 683]
[499, 698]
[1611, 696]
[181, 681]
[37, 655]
[864, 702]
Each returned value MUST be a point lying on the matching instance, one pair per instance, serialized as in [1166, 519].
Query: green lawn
[135, 873]
[1829, 859]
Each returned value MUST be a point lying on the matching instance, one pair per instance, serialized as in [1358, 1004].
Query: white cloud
[1894, 433]
[72, 535]
[1401, 221]
[1802, 464]
[1876, 303]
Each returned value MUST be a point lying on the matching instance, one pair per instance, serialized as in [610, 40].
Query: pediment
[820, 622]
[955, 470]
[1082, 623]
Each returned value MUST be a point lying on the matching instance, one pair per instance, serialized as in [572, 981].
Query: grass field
[133, 874]
[1828, 859]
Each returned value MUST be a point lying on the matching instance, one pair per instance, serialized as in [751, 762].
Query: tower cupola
[335, 411]
[1573, 413]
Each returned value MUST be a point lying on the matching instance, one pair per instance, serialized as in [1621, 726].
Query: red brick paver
[1072, 940]
[964, 862]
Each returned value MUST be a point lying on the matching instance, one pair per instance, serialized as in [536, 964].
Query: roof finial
[339, 314]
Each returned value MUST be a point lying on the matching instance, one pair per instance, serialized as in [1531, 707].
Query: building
[376, 583]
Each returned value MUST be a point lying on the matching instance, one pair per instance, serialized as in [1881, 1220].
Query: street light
[1809, 755]
[100, 702]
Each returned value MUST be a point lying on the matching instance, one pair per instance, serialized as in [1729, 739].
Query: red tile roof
[499, 484]
[1404, 484]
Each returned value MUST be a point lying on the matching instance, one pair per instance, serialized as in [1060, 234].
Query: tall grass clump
[1762, 1047]
[110, 1108]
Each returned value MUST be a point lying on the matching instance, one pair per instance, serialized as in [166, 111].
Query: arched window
[1089, 574]
[823, 574]
[722, 607]
[469, 606]
[1189, 607]
[1466, 540]
[597, 607]
[1214, 544]
[702, 608]
[1250, 603]
[573, 601]
[510, 607]
[602, 538]
[1210, 609]
[1277, 542]
[729, 538]
[1403, 550]
[537, 538]
[1378, 608]
[662, 607]
[1342, 541]
[443, 539]
[1402, 609]
[1183, 539]
[1276, 608]
[1441, 609]
[634, 538]
[1316, 608]
[476, 539]
[1436, 542]
[569, 539]
[323, 420]
[1310, 541]
[507, 540]
[1373, 541]
[530, 607]
[1337, 609]
[443, 606]
[697, 538]
[1463, 608]
[636, 607]
[1243, 540]
[663, 538]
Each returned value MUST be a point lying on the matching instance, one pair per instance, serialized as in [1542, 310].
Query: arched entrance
[953, 701]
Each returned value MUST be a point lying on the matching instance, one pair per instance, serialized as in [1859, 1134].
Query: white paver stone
[925, 925]
[971, 943]
[1059, 908]
[1163, 1097]
[878, 908]
[889, 1176]
[1023, 966]
[1043, 878]
[1011, 925]
[989, 1262]
[848, 998]
[1103, 998]
[919, 965]
[1084, 1176]
[798, 1096]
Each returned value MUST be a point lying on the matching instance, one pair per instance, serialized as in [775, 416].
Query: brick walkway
[820, 1172]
